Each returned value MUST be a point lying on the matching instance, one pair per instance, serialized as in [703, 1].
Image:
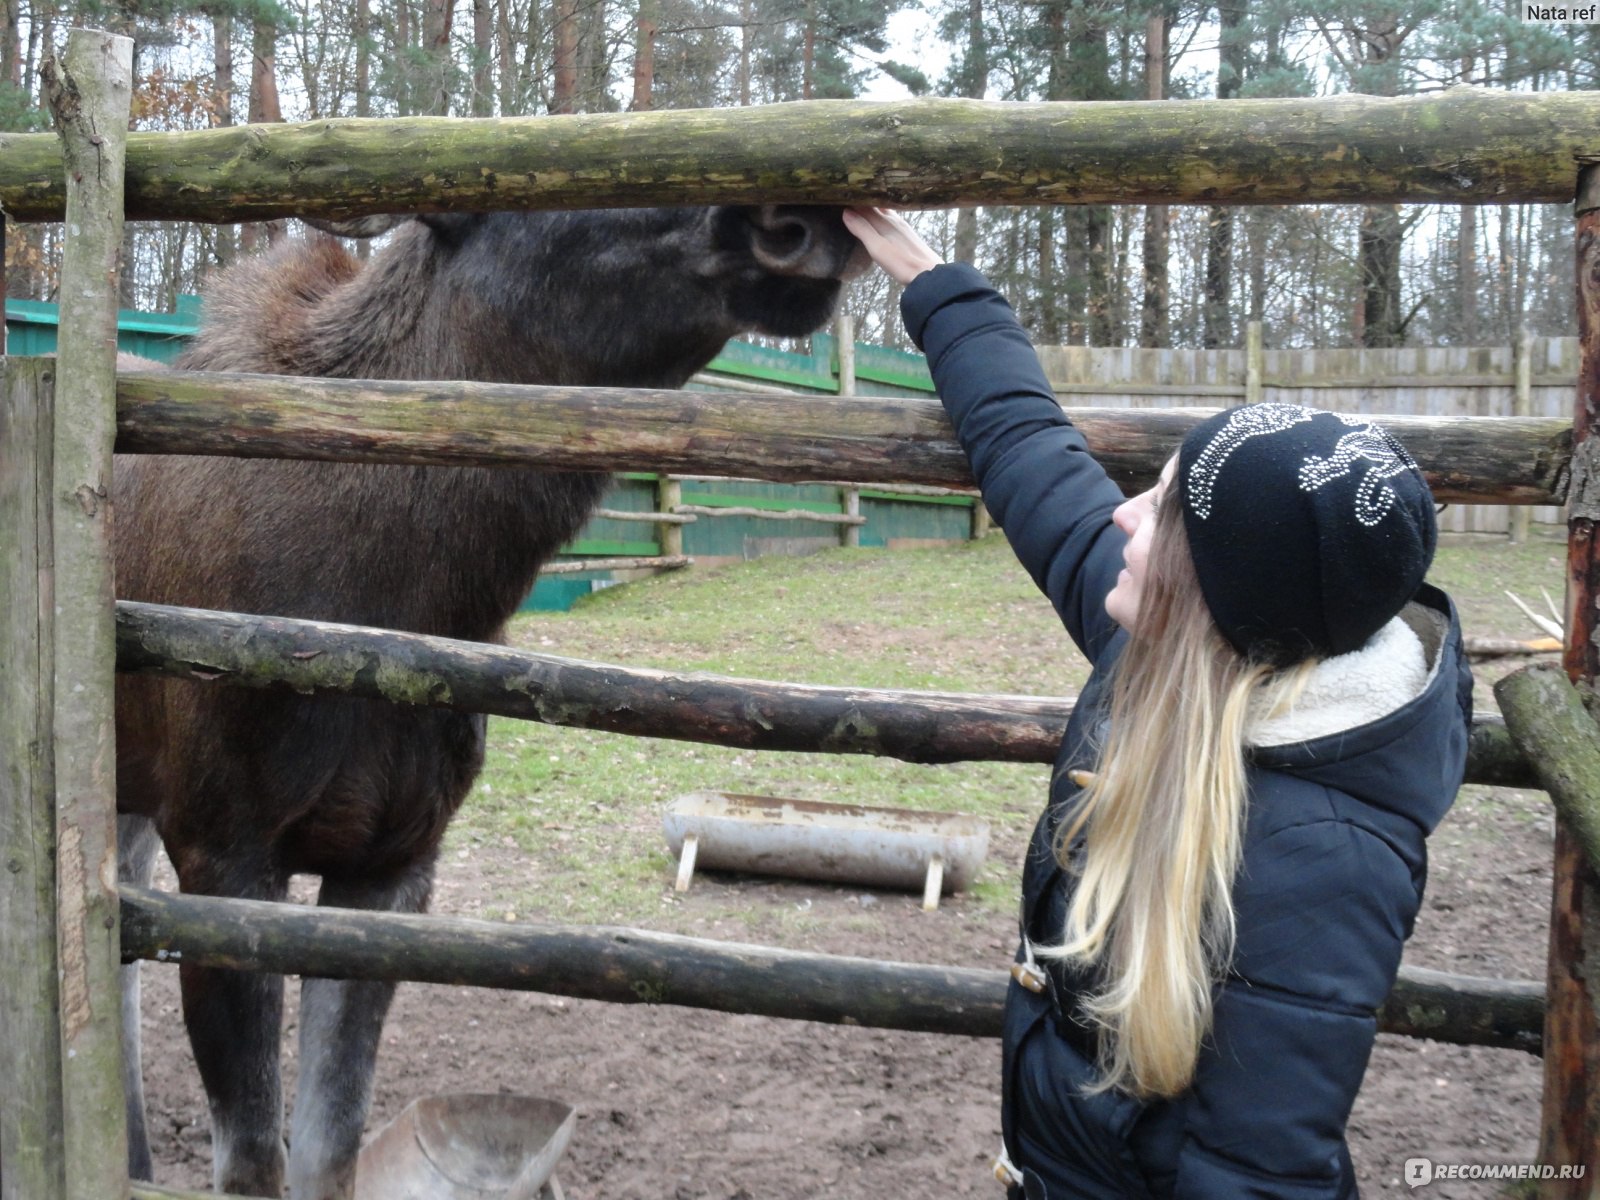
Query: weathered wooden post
[1522, 406]
[1252, 362]
[89, 91]
[1571, 1114]
[844, 340]
[30, 1056]
[669, 494]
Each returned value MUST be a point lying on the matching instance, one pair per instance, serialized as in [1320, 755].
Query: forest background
[1314, 276]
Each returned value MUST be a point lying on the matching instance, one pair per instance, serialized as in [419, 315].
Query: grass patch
[585, 807]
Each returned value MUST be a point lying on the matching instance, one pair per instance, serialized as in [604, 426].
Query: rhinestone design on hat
[1253, 421]
[1365, 443]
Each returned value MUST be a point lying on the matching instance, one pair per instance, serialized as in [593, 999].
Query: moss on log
[1493, 460]
[1460, 146]
[315, 657]
[633, 966]
[1547, 720]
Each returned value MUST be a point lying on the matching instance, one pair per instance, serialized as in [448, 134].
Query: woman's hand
[893, 244]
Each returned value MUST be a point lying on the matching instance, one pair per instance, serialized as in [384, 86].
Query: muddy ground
[678, 1104]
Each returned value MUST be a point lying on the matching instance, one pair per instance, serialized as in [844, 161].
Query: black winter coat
[1333, 864]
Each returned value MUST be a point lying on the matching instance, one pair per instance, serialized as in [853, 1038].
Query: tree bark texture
[90, 93]
[314, 657]
[863, 439]
[1154, 327]
[1546, 717]
[1463, 145]
[1570, 1119]
[564, 87]
[635, 966]
[30, 1052]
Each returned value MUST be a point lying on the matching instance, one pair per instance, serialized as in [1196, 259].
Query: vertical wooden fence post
[1521, 521]
[89, 91]
[850, 503]
[1252, 362]
[669, 494]
[844, 337]
[31, 1163]
[1570, 1132]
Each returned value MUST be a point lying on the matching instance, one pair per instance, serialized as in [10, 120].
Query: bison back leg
[235, 1022]
[136, 861]
[341, 1021]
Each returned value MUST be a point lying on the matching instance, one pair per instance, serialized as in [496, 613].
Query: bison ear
[375, 225]
[449, 228]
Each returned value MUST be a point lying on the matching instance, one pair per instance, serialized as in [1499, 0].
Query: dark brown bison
[246, 789]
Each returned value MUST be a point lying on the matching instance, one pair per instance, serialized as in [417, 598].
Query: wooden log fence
[653, 518]
[63, 1125]
[1460, 146]
[1484, 460]
[633, 966]
[637, 562]
[771, 514]
[316, 657]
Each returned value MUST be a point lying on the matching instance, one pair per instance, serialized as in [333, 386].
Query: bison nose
[782, 239]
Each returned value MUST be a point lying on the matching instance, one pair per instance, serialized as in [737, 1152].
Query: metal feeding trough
[467, 1146]
[840, 843]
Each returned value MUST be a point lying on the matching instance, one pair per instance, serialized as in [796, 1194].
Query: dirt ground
[689, 1105]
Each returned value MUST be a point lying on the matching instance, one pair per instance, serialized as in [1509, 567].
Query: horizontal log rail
[770, 514]
[633, 966]
[1480, 460]
[652, 518]
[315, 657]
[1459, 146]
[658, 562]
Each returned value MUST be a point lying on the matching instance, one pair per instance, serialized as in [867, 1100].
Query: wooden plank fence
[1434, 381]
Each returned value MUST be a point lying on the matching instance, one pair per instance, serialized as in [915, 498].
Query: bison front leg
[341, 1022]
[136, 862]
[235, 1022]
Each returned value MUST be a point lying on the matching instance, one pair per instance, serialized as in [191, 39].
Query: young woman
[1216, 897]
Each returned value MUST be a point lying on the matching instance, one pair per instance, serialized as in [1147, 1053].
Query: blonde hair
[1163, 826]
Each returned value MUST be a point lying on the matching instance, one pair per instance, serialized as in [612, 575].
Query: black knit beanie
[1309, 530]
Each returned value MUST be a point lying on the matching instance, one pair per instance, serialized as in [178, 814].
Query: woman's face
[1136, 517]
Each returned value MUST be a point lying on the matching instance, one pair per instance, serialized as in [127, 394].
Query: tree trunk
[363, 39]
[974, 86]
[225, 238]
[482, 59]
[1382, 323]
[10, 44]
[746, 37]
[1381, 236]
[564, 88]
[644, 55]
[263, 109]
[1217, 314]
[438, 16]
[808, 55]
[1154, 322]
